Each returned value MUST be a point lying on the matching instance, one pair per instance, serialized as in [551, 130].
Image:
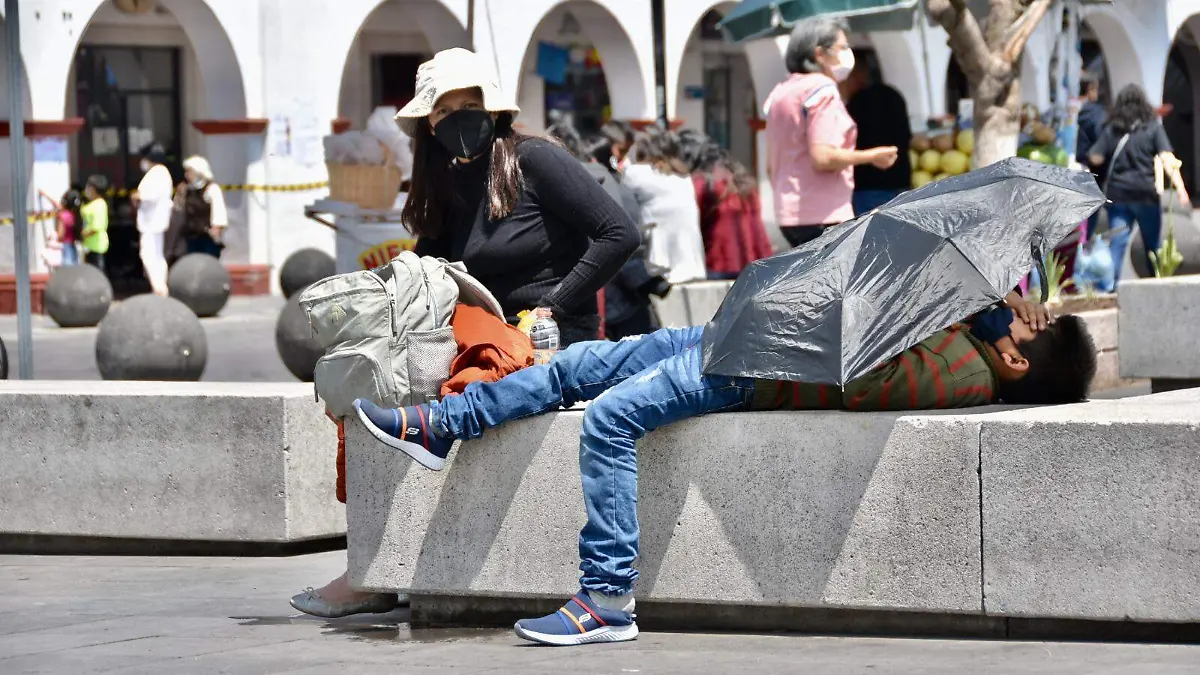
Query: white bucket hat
[448, 70]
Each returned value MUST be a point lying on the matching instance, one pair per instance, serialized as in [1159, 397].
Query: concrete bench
[1076, 512]
[692, 304]
[1160, 330]
[90, 463]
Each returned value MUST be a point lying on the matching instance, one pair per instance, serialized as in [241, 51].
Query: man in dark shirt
[882, 118]
[1091, 123]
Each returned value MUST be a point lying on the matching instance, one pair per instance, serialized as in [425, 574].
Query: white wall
[298, 62]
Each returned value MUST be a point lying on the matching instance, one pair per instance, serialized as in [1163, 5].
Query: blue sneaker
[579, 622]
[406, 429]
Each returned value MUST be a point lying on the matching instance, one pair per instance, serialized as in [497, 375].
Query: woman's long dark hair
[660, 149]
[705, 157]
[1130, 109]
[432, 189]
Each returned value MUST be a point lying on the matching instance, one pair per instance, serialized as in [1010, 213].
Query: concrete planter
[213, 464]
[1159, 322]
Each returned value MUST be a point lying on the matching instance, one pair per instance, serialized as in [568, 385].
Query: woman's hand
[884, 157]
[1035, 315]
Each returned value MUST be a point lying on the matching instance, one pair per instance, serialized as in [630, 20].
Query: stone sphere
[298, 349]
[77, 296]
[151, 338]
[304, 268]
[201, 282]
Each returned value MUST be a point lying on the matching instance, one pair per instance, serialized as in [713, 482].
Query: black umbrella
[870, 288]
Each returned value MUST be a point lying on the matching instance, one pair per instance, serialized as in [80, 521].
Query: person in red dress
[730, 215]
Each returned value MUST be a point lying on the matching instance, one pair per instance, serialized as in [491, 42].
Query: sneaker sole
[604, 634]
[419, 454]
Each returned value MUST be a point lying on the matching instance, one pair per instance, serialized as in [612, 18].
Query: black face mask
[466, 133]
[992, 325]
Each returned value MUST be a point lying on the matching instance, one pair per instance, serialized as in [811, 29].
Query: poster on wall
[50, 150]
[306, 135]
[279, 136]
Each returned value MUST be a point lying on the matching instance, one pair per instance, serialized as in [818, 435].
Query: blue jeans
[1121, 219]
[70, 254]
[647, 382]
[867, 200]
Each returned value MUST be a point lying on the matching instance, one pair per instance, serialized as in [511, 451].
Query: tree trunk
[990, 57]
[997, 119]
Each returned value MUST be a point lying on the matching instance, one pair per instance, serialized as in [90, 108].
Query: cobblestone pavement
[71, 615]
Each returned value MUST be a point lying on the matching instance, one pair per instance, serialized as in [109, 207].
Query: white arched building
[255, 84]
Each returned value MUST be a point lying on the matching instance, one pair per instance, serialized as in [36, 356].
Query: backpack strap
[1112, 164]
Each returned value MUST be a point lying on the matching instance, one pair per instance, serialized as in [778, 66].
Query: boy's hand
[1036, 316]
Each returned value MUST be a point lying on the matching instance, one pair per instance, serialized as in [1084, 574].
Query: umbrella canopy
[753, 19]
[868, 289]
[764, 18]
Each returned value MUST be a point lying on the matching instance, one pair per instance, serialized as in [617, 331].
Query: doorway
[128, 97]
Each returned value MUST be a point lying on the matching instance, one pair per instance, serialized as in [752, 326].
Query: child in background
[95, 222]
[67, 219]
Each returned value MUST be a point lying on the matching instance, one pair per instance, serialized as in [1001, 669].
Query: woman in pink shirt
[811, 136]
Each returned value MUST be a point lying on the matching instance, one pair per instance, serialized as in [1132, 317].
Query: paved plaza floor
[183, 616]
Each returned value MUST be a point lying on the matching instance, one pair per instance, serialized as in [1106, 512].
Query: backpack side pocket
[430, 353]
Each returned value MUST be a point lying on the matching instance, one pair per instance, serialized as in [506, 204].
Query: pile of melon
[941, 155]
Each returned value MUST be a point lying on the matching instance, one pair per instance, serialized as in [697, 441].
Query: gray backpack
[386, 332]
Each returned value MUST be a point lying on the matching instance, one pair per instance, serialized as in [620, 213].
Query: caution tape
[234, 187]
[33, 217]
[36, 216]
[300, 187]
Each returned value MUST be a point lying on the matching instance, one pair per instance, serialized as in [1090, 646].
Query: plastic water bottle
[544, 335]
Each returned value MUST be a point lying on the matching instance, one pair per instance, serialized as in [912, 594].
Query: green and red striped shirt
[950, 369]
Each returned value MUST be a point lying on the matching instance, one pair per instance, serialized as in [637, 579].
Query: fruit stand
[940, 154]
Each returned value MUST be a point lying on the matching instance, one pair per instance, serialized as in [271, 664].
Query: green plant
[1056, 277]
[1167, 259]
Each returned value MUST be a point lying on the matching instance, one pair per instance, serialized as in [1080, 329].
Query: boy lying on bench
[640, 384]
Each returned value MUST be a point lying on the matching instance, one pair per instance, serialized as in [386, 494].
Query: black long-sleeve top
[564, 240]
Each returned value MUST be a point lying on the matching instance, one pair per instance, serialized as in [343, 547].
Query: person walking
[521, 213]
[1130, 142]
[154, 201]
[95, 222]
[881, 114]
[730, 216]
[1091, 123]
[811, 138]
[662, 184]
[203, 204]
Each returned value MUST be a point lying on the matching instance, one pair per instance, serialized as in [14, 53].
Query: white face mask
[146, 165]
[844, 65]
